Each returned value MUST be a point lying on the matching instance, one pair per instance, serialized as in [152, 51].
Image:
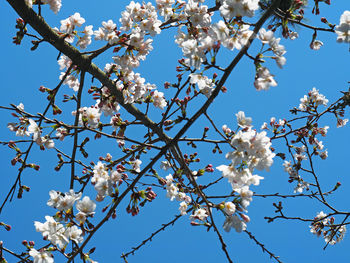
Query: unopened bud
[324, 20]
[42, 89]
[166, 85]
[221, 206]
[245, 218]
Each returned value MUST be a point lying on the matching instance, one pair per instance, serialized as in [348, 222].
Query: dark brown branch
[251, 236]
[144, 242]
[76, 122]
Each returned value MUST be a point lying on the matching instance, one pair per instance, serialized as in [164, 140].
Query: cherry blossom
[234, 222]
[34, 129]
[230, 208]
[158, 99]
[205, 85]
[316, 44]
[183, 208]
[126, 100]
[86, 206]
[200, 214]
[41, 256]
[323, 225]
[232, 8]
[343, 29]
[264, 79]
[242, 120]
[53, 231]
[55, 5]
[314, 98]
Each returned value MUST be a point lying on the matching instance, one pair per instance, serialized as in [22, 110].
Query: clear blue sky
[23, 71]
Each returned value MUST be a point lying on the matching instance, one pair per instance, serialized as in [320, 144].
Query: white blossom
[53, 231]
[264, 79]
[343, 29]
[234, 222]
[230, 208]
[86, 206]
[316, 44]
[242, 120]
[200, 214]
[172, 191]
[41, 256]
[34, 129]
[74, 233]
[183, 208]
[158, 99]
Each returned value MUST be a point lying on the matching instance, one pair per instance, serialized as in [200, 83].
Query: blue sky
[23, 71]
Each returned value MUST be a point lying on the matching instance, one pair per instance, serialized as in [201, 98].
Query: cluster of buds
[324, 226]
[21, 26]
[147, 195]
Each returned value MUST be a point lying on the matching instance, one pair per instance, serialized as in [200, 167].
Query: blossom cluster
[267, 37]
[141, 20]
[312, 100]
[23, 129]
[108, 32]
[324, 226]
[57, 233]
[65, 202]
[279, 127]
[174, 193]
[105, 181]
[195, 46]
[69, 79]
[197, 43]
[203, 35]
[307, 136]
[106, 103]
[68, 27]
[205, 85]
[264, 79]
[294, 176]
[143, 16]
[252, 151]
[56, 229]
[165, 8]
